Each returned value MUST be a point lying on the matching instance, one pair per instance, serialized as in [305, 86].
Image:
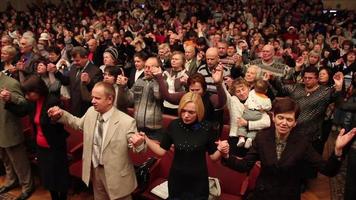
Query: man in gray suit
[191, 63]
[108, 133]
[12, 149]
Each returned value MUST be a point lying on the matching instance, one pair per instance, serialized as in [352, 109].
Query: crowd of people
[273, 70]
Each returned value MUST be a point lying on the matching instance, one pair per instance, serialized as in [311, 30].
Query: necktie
[98, 139]
[79, 71]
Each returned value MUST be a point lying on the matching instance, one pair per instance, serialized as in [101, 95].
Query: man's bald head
[267, 53]
[212, 57]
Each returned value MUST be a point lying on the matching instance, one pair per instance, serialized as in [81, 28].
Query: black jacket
[281, 179]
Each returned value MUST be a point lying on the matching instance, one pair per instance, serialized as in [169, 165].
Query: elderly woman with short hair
[8, 61]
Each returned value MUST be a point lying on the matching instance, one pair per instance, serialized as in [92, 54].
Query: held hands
[5, 95]
[223, 147]
[20, 65]
[137, 139]
[12, 69]
[55, 113]
[228, 81]
[343, 139]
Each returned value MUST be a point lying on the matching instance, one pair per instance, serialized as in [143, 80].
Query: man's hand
[5, 95]
[55, 113]
[85, 78]
[20, 65]
[137, 139]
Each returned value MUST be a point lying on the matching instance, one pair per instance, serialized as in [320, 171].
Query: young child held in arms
[256, 104]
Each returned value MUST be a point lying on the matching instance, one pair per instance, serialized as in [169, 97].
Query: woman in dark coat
[282, 151]
[50, 138]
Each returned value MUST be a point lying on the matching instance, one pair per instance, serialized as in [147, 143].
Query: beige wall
[344, 4]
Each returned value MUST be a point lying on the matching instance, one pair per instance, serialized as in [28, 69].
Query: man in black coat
[82, 72]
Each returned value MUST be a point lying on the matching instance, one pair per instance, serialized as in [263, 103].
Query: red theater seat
[74, 144]
[74, 150]
[167, 119]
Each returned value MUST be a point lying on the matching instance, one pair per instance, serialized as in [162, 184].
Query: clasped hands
[137, 139]
[223, 147]
[5, 95]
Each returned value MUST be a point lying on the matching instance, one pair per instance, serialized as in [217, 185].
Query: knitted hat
[113, 52]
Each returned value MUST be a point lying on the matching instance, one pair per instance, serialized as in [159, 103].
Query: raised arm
[64, 117]
[218, 100]
[333, 164]
[173, 98]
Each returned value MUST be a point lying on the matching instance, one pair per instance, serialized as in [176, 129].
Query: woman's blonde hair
[196, 99]
[10, 50]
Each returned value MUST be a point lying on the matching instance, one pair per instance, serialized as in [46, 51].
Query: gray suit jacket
[10, 113]
[119, 170]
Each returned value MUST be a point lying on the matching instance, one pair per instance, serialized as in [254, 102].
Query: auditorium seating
[74, 151]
